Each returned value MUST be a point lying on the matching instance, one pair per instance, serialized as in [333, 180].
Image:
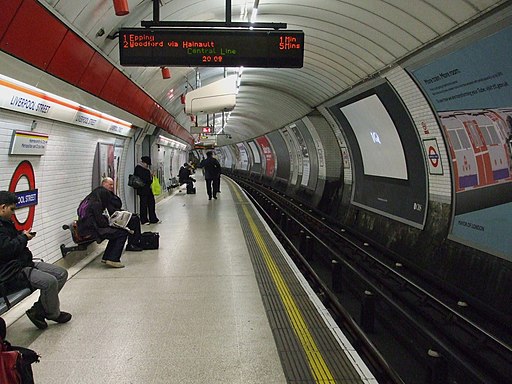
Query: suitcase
[149, 240]
[191, 190]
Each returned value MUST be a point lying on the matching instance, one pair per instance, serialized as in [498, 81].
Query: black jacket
[14, 255]
[211, 168]
[91, 220]
[13, 245]
[184, 175]
[145, 175]
[114, 204]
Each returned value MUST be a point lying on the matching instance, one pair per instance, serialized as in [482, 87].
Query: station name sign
[211, 48]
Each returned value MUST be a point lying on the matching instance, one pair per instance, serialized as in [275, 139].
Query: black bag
[149, 240]
[174, 182]
[191, 190]
[135, 181]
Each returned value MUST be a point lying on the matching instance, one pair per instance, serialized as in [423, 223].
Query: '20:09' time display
[211, 48]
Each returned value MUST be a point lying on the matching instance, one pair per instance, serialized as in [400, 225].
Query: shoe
[215, 197]
[37, 318]
[114, 264]
[209, 198]
[146, 223]
[133, 248]
[103, 261]
[155, 222]
[64, 317]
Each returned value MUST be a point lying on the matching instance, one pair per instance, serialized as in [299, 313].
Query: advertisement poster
[107, 163]
[104, 164]
[471, 90]
[244, 157]
[266, 149]
[255, 152]
[389, 173]
[294, 156]
[118, 151]
[306, 167]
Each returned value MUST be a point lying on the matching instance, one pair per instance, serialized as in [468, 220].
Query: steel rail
[476, 373]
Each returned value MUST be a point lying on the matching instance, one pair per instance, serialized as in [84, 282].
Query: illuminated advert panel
[211, 48]
[389, 172]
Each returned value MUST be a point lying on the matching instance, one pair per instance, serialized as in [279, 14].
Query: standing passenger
[16, 259]
[147, 199]
[211, 169]
[93, 223]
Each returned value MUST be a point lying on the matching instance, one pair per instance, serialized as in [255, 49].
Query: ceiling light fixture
[166, 72]
[254, 12]
[121, 7]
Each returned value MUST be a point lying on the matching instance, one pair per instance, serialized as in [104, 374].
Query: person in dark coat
[211, 167]
[185, 177]
[93, 223]
[147, 199]
[16, 260]
[115, 204]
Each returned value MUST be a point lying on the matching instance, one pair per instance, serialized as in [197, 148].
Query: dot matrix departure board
[211, 48]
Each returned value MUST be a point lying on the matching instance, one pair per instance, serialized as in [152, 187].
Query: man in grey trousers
[18, 270]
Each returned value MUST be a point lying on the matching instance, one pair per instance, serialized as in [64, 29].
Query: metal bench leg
[65, 250]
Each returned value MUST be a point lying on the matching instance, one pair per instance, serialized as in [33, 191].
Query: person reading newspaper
[122, 218]
[93, 223]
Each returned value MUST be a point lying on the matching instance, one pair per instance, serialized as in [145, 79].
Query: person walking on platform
[16, 261]
[115, 204]
[92, 222]
[211, 167]
[147, 199]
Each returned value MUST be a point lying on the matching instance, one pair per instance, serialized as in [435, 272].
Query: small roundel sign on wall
[23, 184]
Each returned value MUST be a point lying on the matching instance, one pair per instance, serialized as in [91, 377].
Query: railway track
[408, 328]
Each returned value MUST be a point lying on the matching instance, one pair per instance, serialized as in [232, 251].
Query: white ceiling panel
[346, 41]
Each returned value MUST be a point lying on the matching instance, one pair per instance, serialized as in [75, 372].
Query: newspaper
[120, 219]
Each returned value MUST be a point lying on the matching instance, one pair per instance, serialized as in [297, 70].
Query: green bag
[155, 186]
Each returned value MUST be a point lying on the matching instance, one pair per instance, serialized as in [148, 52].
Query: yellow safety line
[317, 364]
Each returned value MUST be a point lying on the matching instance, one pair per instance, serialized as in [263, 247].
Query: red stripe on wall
[31, 33]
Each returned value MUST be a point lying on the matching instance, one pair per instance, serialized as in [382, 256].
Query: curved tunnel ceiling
[346, 42]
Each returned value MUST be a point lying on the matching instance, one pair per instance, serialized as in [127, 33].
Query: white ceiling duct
[215, 97]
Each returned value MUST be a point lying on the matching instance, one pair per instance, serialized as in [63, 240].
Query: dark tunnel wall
[417, 232]
[477, 275]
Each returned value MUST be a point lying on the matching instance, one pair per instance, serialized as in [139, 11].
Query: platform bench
[13, 299]
[81, 243]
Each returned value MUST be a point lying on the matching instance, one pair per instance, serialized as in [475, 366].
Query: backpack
[82, 209]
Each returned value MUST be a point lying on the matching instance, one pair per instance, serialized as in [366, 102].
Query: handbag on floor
[191, 190]
[149, 240]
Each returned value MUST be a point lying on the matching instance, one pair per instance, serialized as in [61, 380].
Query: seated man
[184, 176]
[16, 260]
[116, 204]
[93, 223]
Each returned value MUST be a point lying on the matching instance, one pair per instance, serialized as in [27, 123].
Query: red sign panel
[270, 162]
